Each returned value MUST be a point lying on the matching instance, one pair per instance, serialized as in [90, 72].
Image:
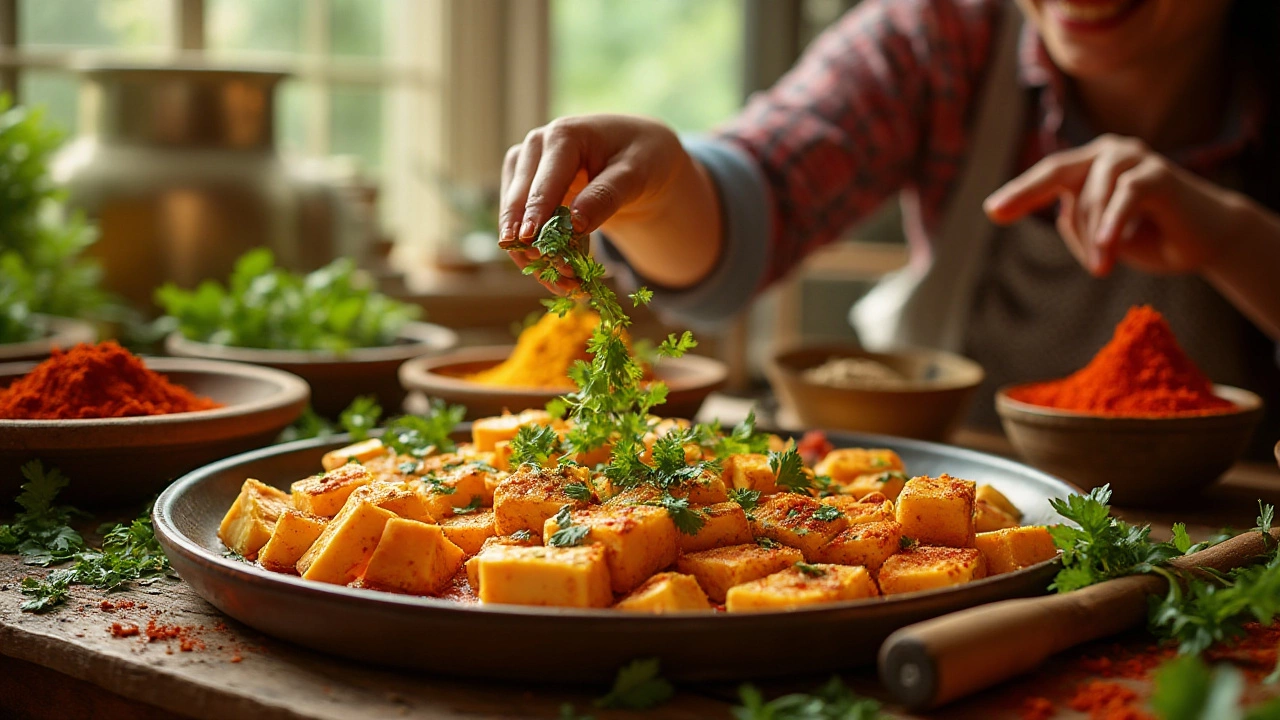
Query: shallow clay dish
[690, 379]
[936, 397]
[60, 332]
[336, 379]
[118, 461]
[1147, 461]
[442, 636]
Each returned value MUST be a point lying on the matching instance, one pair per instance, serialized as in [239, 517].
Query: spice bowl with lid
[1148, 461]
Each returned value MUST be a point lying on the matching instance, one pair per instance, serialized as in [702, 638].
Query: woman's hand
[1121, 201]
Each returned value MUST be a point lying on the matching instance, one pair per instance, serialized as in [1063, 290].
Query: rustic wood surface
[69, 663]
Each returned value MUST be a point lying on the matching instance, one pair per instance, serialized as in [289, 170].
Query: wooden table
[69, 664]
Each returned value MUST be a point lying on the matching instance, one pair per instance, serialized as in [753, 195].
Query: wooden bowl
[929, 408]
[690, 380]
[116, 461]
[1147, 461]
[336, 379]
[60, 332]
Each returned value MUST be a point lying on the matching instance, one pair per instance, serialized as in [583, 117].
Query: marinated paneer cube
[343, 549]
[469, 531]
[324, 495]
[294, 534]
[868, 509]
[926, 568]
[798, 521]
[888, 483]
[997, 499]
[938, 511]
[867, 544]
[638, 540]
[719, 569]
[399, 499]
[520, 539]
[988, 517]
[412, 557]
[802, 585]
[1015, 548]
[707, 489]
[666, 592]
[502, 455]
[455, 487]
[845, 465]
[637, 495]
[361, 452]
[557, 576]
[251, 520]
[724, 524]
[750, 471]
[525, 500]
[486, 433]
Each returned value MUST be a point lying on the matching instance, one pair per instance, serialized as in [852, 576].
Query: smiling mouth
[1092, 14]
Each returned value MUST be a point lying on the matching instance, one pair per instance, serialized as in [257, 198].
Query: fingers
[562, 156]
[1067, 229]
[1098, 188]
[1135, 190]
[524, 160]
[1040, 185]
[607, 192]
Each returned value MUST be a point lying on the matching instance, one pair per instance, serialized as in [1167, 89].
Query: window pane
[272, 26]
[674, 59]
[291, 118]
[58, 93]
[356, 125]
[358, 27]
[95, 23]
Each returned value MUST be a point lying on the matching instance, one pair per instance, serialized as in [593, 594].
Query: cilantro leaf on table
[1185, 688]
[416, 435]
[789, 468]
[833, 701]
[40, 533]
[638, 686]
[1102, 547]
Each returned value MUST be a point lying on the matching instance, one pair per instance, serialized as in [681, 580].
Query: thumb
[604, 195]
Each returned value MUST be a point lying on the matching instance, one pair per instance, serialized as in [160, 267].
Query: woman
[1145, 121]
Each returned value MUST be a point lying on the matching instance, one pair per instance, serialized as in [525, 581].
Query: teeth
[1091, 12]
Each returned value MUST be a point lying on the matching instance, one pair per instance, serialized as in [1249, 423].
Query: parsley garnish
[469, 507]
[353, 460]
[789, 468]
[768, 543]
[833, 701]
[40, 533]
[748, 499]
[522, 535]
[907, 543]
[888, 475]
[578, 491]
[420, 435]
[568, 534]
[827, 513]
[743, 439]
[534, 444]
[408, 467]
[1103, 547]
[686, 519]
[810, 570]
[824, 485]
[360, 417]
[638, 686]
[438, 485]
[1186, 689]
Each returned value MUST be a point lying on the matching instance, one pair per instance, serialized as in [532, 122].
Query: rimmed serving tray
[561, 644]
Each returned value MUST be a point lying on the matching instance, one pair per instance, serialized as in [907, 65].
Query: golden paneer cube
[724, 524]
[558, 576]
[988, 517]
[802, 585]
[343, 549]
[996, 499]
[502, 455]
[666, 592]
[857, 511]
[638, 540]
[719, 569]
[520, 539]
[845, 465]
[938, 511]
[888, 483]
[361, 452]
[324, 495]
[469, 531]
[1015, 548]
[926, 568]
[798, 521]
[412, 557]
[486, 433]
[456, 487]
[399, 499]
[707, 489]
[750, 471]
[867, 544]
[294, 534]
[249, 522]
[530, 495]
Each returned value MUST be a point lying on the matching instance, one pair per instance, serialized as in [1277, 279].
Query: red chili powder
[95, 381]
[1105, 700]
[124, 630]
[1038, 708]
[184, 634]
[1142, 372]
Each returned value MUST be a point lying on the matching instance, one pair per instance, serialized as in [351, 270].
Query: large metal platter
[562, 644]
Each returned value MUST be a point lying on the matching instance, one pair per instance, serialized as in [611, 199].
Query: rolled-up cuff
[745, 213]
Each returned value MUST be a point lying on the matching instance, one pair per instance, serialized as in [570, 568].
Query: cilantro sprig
[638, 686]
[789, 468]
[1102, 547]
[568, 534]
[418, 435]
[41, 533]
[833, 701]
[534, 444]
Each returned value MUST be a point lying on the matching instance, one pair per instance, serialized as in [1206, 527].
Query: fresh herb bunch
[833, 701]
[743, 438]
[332, 309]
[1187, 689]
[419, 435]
[41, 533]
[789, 468]
[357, 419]
[638, 686]
[1102, 547]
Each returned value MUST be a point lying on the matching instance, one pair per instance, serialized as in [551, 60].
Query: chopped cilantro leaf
[810, 570]
[789, 469]
[469, 507]
[522, 535]
[827, 513]
[748, 499]
[568, 534]
[768, 543]
[534, 445]
[578, 491]
[360, 417]
[638, 686]
[907, 543]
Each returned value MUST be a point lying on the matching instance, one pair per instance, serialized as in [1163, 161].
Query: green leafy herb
[360, 417]
[1102, 547]
[309, 425]
[907, 543]
[789, 467]
[686, 519]
[1187, 689]
[768, 543]
[827, 513]
[825, 486]
[568, 534]
[742, 439]
[522, 535]
[470, 507]
[41, 533]
[578, 491]
[569, 712]
[833, 701]
[438, 485]
[638, 686]
[748, 499]
[810, 570]
[534, 444]
[642, 296]
[409, 467]
[419, 435]
[888, 475]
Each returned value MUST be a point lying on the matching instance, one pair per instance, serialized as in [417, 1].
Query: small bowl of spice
[913, 393]
[1140, 416]
[132, 425]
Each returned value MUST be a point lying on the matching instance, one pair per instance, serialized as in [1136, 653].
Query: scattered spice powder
[1142, 372]
[124, 630]
[1038, 708]
[1107, 700]
[95, 381]
[184, 634]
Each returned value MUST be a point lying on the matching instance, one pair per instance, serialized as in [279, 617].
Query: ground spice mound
[95, 381]
[1142, 372]
[544, 353]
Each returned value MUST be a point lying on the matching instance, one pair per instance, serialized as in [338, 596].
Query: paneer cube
[324, 495]
[997, 499]
[1015, 548]
[520, 539]
[399, 499]
[525, 500]
[845, 465]
[719, 569]
[707, 489]
[412, 557]
[502, 455]
[486, 433]
[802, 585]
[724, 524]
[294, 534]
[343, 549]
[857, 511]
[557, 576]
[888, 483]
[938, 511]
[469, 531]
[361, 452]
[926, 568]
[666, 592]
[866, 544]
[638, 540]
[458, 486]
[798, 521]
[988, 517]
[251, 520]
[750, 471]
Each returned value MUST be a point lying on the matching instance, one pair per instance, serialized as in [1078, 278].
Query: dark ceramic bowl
[494, 642]
[117, 461]
[336, 379]
[60, 332]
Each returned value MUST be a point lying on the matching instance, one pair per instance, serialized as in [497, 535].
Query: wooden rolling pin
[949, 657]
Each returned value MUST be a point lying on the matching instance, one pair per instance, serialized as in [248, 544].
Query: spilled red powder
[1106, 700]
[1037, 708]
[124, 630]
[184, 634]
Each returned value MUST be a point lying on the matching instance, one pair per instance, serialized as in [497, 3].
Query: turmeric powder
[544, 353]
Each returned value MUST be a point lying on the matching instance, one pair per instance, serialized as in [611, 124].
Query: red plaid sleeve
[878, 104]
